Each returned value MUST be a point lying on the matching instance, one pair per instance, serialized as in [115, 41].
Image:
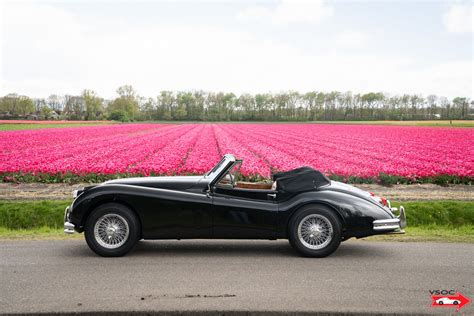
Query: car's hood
[346, 188]
[176, 183]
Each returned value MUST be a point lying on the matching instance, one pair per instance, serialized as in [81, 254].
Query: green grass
[447, 221]
[440, 123]
[21, 126]
[441, 213]
[37, 233]
[435, 123]
[439, 233]
[32, 214]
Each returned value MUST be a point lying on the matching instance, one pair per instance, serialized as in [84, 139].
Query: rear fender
[357, 214]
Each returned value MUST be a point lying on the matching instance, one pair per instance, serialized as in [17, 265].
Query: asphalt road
[362, 276]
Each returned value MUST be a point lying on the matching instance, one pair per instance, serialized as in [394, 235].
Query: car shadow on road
[214, 248]
[230, 248]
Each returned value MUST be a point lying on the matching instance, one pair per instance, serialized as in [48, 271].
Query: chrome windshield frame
[228, 162]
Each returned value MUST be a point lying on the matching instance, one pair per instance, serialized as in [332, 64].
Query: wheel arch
[111, 199]
[323, 204]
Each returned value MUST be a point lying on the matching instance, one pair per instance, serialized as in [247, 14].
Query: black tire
[440, 303]
[455, 303]
[117, 211]
[321, 212]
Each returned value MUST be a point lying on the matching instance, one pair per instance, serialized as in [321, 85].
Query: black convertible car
[301, 205]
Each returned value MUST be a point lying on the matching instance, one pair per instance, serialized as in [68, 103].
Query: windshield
[232, 175]
[235, 170]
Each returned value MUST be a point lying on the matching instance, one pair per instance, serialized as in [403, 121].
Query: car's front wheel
[315, 231]
[112, 230]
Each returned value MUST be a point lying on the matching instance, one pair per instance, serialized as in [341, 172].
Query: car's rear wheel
[112, 230]
[440, 303]
[315, 231]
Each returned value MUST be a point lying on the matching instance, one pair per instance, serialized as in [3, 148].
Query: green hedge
[35, 214]
[453, 213]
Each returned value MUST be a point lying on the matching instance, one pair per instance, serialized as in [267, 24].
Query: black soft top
[301, 179]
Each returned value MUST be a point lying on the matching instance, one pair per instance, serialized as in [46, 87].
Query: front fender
[357, 213]
[139, 199]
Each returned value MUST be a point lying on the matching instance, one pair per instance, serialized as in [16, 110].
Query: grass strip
[432, 123]
[435, 233]
[448, 221]
[21, 126]
[440, 213]
[36, 233]
[32, 214]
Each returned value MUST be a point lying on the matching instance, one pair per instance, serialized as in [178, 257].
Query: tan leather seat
[254, 185]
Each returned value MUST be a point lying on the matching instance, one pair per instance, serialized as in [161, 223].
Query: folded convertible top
[301, 179]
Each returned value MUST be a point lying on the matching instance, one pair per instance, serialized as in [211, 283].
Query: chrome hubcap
[111, 231]
[315, 231]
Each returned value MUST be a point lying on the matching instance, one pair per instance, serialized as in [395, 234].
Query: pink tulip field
[341, 151]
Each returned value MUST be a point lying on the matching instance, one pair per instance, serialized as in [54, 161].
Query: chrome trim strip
[66, 214]
[391, 224]
[386, 224]
[402, 218]
[69, 228]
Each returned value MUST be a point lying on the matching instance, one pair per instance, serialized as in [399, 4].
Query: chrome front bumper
[68, 226]
[393, 224]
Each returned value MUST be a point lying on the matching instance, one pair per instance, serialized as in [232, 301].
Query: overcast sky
[423, 47]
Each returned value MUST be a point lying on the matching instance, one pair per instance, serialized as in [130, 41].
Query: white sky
[396, 47]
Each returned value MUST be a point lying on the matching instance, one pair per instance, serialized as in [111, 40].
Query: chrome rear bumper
[68, 226]
[393, 224]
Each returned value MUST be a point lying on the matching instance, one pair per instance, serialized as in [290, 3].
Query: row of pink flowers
[346, 150]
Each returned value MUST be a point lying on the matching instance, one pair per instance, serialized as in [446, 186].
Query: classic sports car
[447, 301]
[301, 205]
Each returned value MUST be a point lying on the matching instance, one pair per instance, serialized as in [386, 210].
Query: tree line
[220, 106]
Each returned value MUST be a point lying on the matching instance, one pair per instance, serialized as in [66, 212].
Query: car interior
[254, 185]
[229, 185]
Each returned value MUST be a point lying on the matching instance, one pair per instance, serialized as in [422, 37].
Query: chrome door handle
[272, 195]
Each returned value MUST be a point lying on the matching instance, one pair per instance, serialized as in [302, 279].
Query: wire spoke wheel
[315, 231]
[111, 231]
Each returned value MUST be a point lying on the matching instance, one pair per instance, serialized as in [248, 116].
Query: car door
[244, 213]
[178, 215]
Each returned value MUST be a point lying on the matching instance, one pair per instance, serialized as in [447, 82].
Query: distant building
[5, 115]
[33, 117]
[53, 115]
